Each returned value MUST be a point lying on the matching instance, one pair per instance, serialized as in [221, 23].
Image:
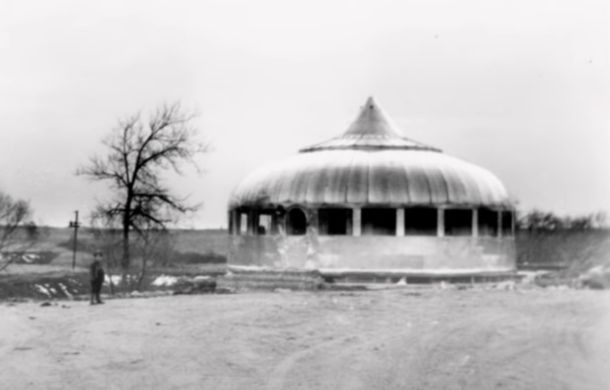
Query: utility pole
[74, 225]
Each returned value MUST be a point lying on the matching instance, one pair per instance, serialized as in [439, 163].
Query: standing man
[97, 277]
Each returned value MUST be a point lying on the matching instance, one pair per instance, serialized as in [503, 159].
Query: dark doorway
[297, 222]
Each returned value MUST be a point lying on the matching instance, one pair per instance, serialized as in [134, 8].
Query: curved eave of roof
[368, 142]
[360, 177]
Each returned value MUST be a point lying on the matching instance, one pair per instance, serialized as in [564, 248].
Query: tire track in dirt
[338, 345]
[281, 371]
[508, 345]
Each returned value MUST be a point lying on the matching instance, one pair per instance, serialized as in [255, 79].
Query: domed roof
[371, 163]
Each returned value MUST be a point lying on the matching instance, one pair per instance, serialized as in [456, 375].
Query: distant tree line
[537, 220]
[17, 230]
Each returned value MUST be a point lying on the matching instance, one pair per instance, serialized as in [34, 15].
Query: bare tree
[106, 230]
[153, 246]
[138, 152]
[17, 231]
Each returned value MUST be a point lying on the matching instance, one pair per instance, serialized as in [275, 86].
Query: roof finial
[372, 129]
[372, 121]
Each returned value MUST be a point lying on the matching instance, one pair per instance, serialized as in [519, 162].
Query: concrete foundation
[375, 253]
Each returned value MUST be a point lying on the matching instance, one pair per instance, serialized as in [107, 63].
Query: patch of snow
[30, 258]
[561, 287]
[528, 277]
[597, 270]
[42, 289]
[505, 285]
[164, 280]
[114, 279]
[65, 290]
[202, 277]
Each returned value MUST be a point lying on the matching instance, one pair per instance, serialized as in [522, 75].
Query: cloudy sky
[521, 87]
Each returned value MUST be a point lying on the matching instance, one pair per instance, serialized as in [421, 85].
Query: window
[507, 223]
[265, 224]
[458, 222]
[379, 221]
[335, 221]
[488, 222]
[421, 221]
[297, 222]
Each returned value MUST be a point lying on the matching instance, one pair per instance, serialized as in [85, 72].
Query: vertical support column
[475, 222]
[513, 222]
[350, 226]
[499, 223]
[400, 222]
[357, 218]
[280, 221]
[440, 222]
[312, 221]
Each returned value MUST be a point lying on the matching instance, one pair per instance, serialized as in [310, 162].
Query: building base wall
[444, 254]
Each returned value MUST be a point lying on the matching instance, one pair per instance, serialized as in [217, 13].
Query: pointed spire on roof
[372, 130]
[372, 120]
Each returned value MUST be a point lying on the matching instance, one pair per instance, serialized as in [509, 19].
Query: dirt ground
[401, 338]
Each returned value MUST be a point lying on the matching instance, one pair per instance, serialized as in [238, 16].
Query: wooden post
[75, 225]
[357, 217]
[440, 222]
[400, 222]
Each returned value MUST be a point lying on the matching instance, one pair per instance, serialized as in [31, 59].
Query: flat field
[392, 338]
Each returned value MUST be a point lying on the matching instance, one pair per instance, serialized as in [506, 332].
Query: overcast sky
[519, 87]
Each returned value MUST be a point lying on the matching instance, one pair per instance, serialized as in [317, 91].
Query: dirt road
[388, 339]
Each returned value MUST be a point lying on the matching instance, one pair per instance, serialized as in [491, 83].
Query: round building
[371, 200]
